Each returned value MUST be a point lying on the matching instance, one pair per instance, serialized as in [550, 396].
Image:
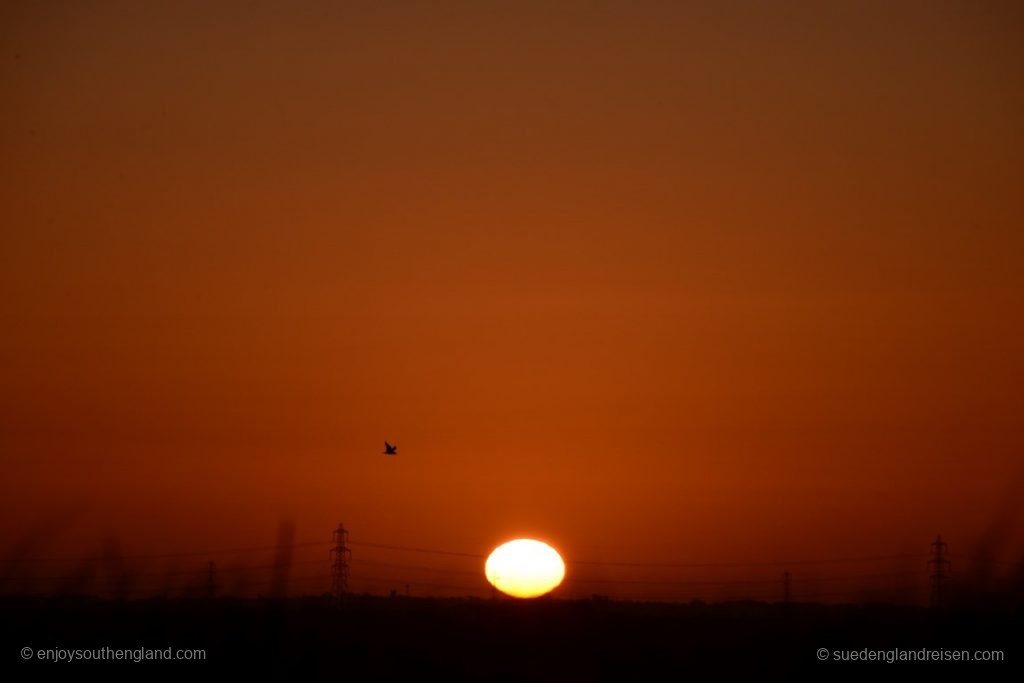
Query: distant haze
[651, 281]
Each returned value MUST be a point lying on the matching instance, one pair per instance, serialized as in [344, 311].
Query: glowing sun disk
[524, 568]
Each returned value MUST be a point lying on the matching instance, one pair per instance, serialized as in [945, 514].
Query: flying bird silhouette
[389, 449]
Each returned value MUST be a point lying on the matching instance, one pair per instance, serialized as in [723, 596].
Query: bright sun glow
[524, 568]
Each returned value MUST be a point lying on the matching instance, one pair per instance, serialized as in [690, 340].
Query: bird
[389, 449]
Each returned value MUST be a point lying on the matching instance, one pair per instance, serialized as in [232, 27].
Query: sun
[524, 568]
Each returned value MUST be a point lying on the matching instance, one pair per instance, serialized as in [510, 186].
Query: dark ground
[374, 638]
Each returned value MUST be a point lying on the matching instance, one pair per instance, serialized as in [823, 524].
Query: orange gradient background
[652, 280]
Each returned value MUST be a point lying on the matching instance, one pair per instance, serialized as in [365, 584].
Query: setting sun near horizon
[525, 568]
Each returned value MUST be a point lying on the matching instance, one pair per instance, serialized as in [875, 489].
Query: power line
[852, 577]
[477, 586]
[417, 583]
[670, 582]
[764, 563]
[439, 570]
[385, 546]
[197, 573]
[451, 553]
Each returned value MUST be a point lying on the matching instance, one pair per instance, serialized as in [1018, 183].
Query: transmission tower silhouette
[340, 557]
[940, 567]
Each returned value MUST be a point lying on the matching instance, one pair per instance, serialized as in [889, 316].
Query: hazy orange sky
[652, 280]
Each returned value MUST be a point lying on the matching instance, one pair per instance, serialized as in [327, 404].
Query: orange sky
[651, 280]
